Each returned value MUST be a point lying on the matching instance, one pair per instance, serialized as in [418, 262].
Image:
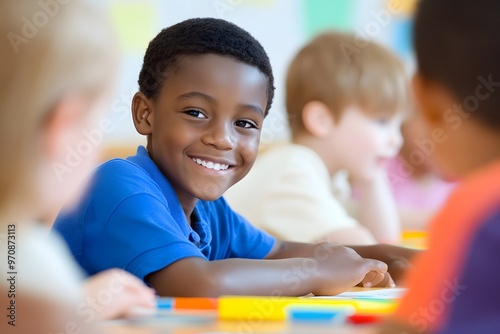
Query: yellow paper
[275, 308]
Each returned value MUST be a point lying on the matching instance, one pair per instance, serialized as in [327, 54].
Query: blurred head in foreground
[57, 63]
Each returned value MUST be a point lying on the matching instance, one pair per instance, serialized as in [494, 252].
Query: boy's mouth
[210, 164]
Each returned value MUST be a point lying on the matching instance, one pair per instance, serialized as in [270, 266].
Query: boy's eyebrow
[210, 99]
[253, 107]
[189, 95]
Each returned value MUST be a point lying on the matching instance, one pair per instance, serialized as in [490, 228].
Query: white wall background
[277, 24]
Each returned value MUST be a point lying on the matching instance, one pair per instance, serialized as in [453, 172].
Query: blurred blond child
[345, 110]
[55, 81]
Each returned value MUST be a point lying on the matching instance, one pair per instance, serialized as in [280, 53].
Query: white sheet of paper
[393, 293]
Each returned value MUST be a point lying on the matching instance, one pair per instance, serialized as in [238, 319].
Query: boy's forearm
[285, 277]
[384, 252]
[288, 249]
[195, 277]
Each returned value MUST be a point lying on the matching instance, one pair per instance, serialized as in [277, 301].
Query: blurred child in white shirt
[55, 81]
[345, 107]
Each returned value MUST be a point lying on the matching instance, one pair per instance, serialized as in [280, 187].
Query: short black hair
[457, 44]
[200, 36]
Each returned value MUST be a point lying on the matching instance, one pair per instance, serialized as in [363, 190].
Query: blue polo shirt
[130, 218]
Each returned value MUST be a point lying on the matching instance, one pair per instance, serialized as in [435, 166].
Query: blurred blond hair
[337, 69]
[49, 48]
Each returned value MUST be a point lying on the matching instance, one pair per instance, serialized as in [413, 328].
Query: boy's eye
[245, 124]
[195, 113]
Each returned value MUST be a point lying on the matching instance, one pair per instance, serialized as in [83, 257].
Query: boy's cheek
[250, 149]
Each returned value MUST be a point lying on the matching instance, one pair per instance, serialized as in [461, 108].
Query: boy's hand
[398, 259]
[340, 268]
[387, 282]
[120, 294]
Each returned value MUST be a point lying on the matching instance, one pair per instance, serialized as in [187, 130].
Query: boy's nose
[219, 136]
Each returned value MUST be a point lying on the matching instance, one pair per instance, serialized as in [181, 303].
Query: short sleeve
[234, 237]
[140, 236]
[248, 241]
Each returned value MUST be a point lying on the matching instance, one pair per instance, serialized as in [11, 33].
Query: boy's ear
[432, 99]
[317, 118]
[142, 113]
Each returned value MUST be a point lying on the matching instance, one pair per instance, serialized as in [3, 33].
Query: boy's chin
[211, 193]
[209, 198]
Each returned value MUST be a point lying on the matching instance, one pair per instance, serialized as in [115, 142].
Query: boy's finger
[376, 265]
[366, 282]
[387, 281]
[377, 270]
[390, 281]
[372, 278]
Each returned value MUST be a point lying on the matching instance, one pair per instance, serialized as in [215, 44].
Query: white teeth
[210, 164]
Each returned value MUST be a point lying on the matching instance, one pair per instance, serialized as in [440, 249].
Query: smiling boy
[191, 144]
[205, 88]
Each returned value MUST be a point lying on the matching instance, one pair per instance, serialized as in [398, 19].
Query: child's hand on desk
[340, 268]
[127, 293]
[398, 259]
[386, 282]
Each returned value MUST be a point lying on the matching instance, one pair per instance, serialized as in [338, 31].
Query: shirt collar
[200, 233]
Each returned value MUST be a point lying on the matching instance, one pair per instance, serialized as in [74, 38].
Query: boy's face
[449, 138]
[206, 124]
[363, 143]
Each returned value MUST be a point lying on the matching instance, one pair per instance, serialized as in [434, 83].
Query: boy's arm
[378, 211]
[321, 270]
